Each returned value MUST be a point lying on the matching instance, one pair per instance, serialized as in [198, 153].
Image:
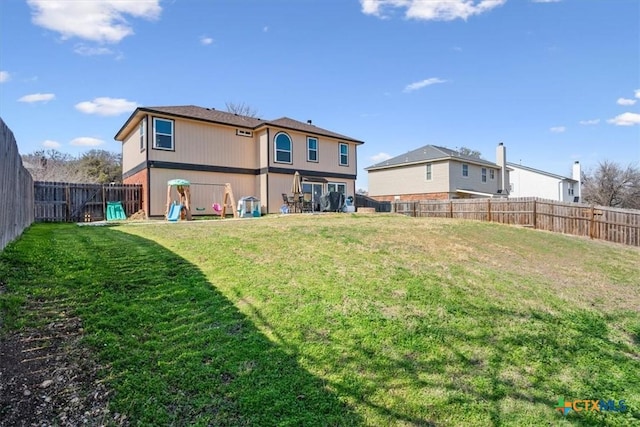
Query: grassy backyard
[339, 320]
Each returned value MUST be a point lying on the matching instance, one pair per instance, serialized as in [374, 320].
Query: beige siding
[202, 196]
[328, 155]
[263, 144]
[474, 180]
[409, 180]
[209, 144]
[131, 154]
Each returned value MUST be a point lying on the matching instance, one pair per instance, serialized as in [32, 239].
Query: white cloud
[51, 144]
[37, 97]
[380, 157]
[625, 101]
[82, 49]
[97, 20]
[431, 10]
[637, 92]
[423, 83]
[558, 129]
[86, 141]
[4, 76]
[590, 122]
[106, 106]
[625, 119]
[546, 1]
[206, 40]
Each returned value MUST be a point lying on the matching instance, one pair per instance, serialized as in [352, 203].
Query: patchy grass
[342, 319]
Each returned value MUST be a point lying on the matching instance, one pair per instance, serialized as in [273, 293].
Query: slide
[174, 212]
[115, 211]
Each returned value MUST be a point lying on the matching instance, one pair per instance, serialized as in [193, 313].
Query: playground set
[180, 209]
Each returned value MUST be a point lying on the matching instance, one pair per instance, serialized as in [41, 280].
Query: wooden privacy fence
[598, 222]
[68, 202]
[16, 189]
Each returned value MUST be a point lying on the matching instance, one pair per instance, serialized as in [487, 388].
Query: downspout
[147, 210]
[268, 165]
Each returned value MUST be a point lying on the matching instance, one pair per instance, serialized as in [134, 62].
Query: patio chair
[307, 205]
[289, 201]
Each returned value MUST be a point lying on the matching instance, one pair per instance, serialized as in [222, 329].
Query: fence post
[488, 210]
[592, 223]
[450, 208]
[535, 215]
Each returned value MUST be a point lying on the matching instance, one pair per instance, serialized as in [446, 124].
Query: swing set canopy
[182, 182]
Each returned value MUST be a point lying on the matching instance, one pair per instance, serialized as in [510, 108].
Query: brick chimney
[503, 174]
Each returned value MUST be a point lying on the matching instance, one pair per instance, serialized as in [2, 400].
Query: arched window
[283, 148]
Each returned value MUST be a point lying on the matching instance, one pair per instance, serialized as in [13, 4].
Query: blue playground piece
[174, 212]
[115, 211]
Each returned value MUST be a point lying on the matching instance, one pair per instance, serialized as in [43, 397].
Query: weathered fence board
[16, 189]
[598, 222]
[72, 202]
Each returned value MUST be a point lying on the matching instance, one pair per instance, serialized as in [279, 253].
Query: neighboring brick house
[257, 157]
[433, 172]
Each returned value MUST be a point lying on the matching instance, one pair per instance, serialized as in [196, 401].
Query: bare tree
[94, 166]
[469, 152]
[53, 165]
[241, 109]
[612, 185]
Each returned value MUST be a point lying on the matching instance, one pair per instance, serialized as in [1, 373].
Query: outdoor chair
[307, 205]
[289, 201]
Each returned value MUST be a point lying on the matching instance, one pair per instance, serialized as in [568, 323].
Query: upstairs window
[283, 148]
[143, 132]
[465, 170]
[492, 173]
[484, 174]
[428, 172]
[242, 132]
[344, 154]
[163, 134]
[312, 149]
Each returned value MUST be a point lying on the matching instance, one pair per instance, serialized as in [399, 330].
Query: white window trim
[483, 175]
[428, 173]
[275, 149]
[467, 175]
[143, 134]
[340, 154]
[243, 132]
[317, 150]
[337, 184]
[173, 131]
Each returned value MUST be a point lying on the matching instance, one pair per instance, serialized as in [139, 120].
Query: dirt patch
[47, 378]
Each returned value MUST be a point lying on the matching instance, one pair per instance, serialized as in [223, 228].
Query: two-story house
[530, 182]
[433, 172]
[257, 157]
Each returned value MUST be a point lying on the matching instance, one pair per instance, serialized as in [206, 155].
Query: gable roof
[538, 171]
[428, 153]
[212, 115]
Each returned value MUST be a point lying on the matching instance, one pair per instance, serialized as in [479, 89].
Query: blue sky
[556, 81]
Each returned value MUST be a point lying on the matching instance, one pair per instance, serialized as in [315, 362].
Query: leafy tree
[612, 185]
[241, 109]
[101, 166]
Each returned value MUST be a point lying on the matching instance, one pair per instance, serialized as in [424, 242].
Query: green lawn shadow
[176, 351]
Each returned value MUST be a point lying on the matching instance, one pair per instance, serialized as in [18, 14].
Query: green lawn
[308, 320]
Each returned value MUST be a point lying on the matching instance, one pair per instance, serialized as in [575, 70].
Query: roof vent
[309, 122]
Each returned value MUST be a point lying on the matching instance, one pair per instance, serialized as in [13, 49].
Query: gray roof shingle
[426, 154]
[222, 117]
